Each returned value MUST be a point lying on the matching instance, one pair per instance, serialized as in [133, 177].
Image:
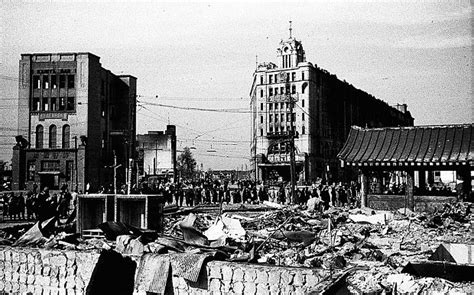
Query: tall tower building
[73, 116]
[323, 111]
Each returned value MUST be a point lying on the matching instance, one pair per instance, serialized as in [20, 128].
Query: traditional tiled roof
[410, 146]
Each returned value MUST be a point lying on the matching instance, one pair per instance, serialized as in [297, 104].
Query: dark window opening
[302, 103]
[302, 130]
[261, 79]
[261, 92]
[70, 104]
[62, 104]
[35, 104]
[62, 81]
[52, 136]
[261, 119]
[70, 81]
[54, 104]
[270, 92]
[261, 106]
[66, 137]
[261, 132]
[36, 82]
[39, 137]
[54, 82]
[44, 104]
[293, 89]
[302, 116]
[45, 82]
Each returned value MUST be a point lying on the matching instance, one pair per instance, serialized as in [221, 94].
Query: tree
[186, 164]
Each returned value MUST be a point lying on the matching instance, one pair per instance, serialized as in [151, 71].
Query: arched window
[303, 87]
[39, 137]
[66, 136]
[52, 136]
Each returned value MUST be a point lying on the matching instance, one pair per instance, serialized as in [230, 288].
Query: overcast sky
[203, 54]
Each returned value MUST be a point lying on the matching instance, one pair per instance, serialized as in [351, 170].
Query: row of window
[282, 130]
[52, 142]
[53, 81]
[53, 104]
[280, 105]
[281, 117]
[282, 90]
[276, 78]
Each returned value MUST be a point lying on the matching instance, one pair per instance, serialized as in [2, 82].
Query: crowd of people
[191, 193]
[34, 205]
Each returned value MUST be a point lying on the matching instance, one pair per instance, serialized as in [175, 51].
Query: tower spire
[290, 28]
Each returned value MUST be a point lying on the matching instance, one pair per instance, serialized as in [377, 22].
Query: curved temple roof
[410, 146]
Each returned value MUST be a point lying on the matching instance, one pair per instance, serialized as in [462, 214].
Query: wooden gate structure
[419, 149]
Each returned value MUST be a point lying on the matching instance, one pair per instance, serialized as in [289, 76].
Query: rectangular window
[270, 130]
[302, 75]
[302, 103]
[62, 81]
[294, 117]
[31, 171]
[261, 119]
[36, 82]
[270, 79]
[70, 81]
[276, 91]
[261, 79]
[270, 118]
[261, 106]
[282, 90]
[62, 104]
[49, 165]
[288, 117]
[54, 82]
[261, 92]
[270, 91]
[302, 116]
[270, 106]
[70, 104]
[54, 104]
[276, 118]
[45, 81]
[261, 132]
[282, 117]
[293, 76]
[302, 130]
[44, 104]
[282, 105]
[35, 104]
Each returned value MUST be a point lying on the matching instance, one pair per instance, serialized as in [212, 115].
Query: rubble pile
[371, 249]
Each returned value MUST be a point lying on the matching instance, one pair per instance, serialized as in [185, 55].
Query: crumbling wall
[40, 271]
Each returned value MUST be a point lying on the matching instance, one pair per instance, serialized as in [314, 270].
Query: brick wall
[39, 271]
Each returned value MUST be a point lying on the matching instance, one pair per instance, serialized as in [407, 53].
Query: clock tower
[290, 52]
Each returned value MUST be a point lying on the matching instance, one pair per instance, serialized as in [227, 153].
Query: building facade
[318, 106]
[157, 153]
[74, 116]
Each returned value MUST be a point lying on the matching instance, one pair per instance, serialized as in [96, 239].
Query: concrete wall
[41, 271]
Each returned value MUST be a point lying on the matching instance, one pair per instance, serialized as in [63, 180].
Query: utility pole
[75, 164]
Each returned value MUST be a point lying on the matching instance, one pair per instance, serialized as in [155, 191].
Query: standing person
[35, 188]
[21, 206]
[30, 205]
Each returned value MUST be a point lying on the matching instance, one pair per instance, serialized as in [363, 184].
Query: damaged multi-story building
[294, 93]
[74, 117]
